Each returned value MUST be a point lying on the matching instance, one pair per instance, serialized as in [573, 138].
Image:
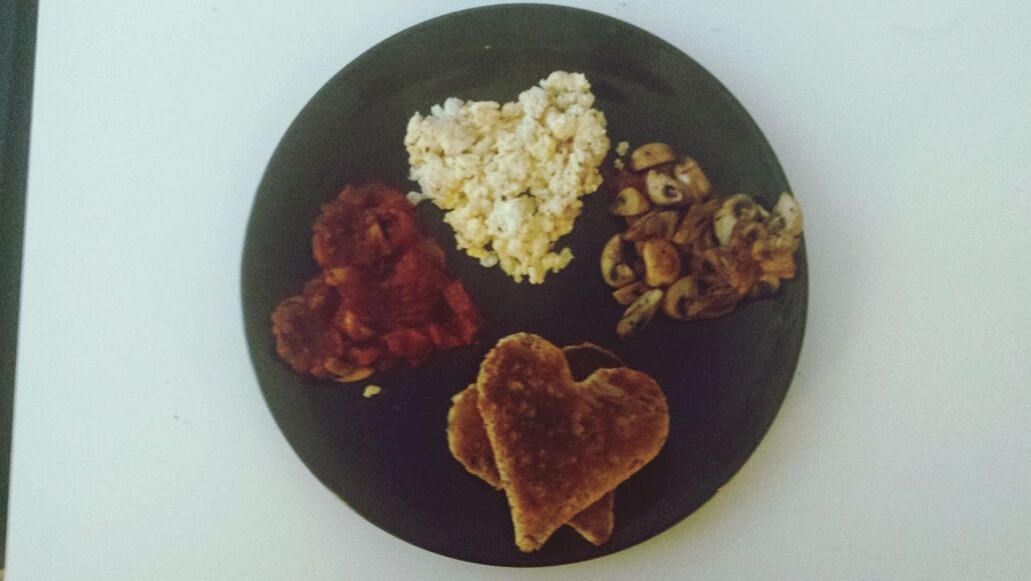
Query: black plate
[387, 457]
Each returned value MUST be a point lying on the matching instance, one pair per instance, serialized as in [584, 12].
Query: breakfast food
[560, 446]
[687, 251]
[556, 430]
[509, 177]
[468, 442]
[383, 293]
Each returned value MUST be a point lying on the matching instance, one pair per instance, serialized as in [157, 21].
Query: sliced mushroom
[787, 217]
[650, 155]
[727, 249]
[640, 313]
[614, 268]
[779, 264]
[735, 266]
[776, 255]
[749, 233]
[716, 302]
[663, 190]
[622, 275]
[701, 268]
[630, 202]
[630, 293]
[696, 222]
[678, 296]
[638, 266]
[774, 245]
[735, 208]
[653, 225]
[661, 263]
[338, 366]
[358, 374]
[347, 372]
[693, 181]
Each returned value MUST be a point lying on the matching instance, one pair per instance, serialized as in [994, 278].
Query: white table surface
[143, 448]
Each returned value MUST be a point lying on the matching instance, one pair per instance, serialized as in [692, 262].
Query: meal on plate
[509, 177]
[558, 430]
[687, 251]
[383, 293]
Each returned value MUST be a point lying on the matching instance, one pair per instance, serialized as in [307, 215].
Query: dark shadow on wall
[17, 55]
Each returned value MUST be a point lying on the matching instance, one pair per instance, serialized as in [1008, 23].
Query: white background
[143, 449]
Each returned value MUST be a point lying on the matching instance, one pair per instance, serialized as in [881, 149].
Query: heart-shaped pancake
[560, 445]
[467, 440]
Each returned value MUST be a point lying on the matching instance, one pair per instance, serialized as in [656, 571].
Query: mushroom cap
[675, 301]
[735, 208]
[663, 189]
[661, 262]
[787, 216]
[693, 181]
[650, 155]
[630, 202]
[614, 268]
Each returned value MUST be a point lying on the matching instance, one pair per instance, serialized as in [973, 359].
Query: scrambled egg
[510, 177]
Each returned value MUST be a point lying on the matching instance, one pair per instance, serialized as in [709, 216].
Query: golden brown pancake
[468, 442]
[559, 445]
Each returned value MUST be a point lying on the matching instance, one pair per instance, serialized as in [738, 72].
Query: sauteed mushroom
[678, 296]
[639, 313]
[630, 202]
[663, 190]
[653, 225]
[787, 217]
[630, 293]
[739, 207]
[650, 155]
[346, 372]
[692, 253]
[693, 181]
[661, 263]
[614, 267]
[358, 374]
[715, 302]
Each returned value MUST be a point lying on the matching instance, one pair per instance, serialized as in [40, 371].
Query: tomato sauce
[383, 294]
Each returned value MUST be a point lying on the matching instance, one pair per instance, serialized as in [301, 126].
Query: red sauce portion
[383, 294]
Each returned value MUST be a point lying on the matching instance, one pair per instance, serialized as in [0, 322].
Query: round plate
[387, 457]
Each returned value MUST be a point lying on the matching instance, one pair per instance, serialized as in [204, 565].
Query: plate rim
[729, 98]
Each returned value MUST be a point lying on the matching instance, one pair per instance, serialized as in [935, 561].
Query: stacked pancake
[557, 430]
